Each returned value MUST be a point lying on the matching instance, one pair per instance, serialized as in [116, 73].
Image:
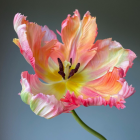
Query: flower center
[64, 70]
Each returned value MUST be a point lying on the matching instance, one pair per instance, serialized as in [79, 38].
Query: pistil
[66, 69]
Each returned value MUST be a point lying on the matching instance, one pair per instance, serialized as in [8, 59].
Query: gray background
[118, 19]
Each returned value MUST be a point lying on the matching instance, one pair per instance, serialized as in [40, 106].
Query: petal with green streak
[46, 106]
[37, 44]
[44, 99]
[36, 86]
[109, 54]
[25, 93]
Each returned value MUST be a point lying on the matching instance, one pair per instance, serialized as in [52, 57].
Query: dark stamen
[61, 68]
[70, 62]
[74, 70]
[71, 73]
[77, 67]
[62, 74]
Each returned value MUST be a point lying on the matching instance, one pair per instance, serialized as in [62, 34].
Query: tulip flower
[77, 72]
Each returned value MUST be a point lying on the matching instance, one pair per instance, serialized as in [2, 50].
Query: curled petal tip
[76, 13]
[87, 13]
[18, 20]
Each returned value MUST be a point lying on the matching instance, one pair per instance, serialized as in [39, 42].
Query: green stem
[93, 132]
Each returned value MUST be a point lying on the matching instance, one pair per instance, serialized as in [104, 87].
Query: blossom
[76, 72]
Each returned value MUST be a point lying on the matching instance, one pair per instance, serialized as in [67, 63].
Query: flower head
[77, 71]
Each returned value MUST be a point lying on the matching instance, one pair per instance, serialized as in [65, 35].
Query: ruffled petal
[111, 89]
[36, 86]
[97, 101]
[88, 32]
[78, 37]
[18, 20]
[46, 106]
[23, 44]
[37, 44]
[106, 85]
[43, 65]
[25, 94]
[43, 98]
[69, 29]
[83, 57]
[19, 23]
[49, 35]
[110, 54]
[111, 85]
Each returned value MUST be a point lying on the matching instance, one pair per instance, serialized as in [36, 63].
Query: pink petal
[111, 89]
[18, 20]
[78, 37]
[88, 32]
[42, 98]
[110, 54]
[49, 35]
[24, 45]
[97, 101]
[37, 44]
[36, 86]
[46, 106]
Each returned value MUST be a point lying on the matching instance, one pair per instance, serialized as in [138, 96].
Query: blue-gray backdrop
[118, 19]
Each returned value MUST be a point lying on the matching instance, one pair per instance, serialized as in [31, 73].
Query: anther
[77, 67]
[73, 71]
[62, 74]
[61, 68]
[70, 62]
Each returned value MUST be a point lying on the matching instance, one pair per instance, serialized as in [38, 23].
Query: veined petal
[110, 54]
[49, 35]
[126, 90]
[18, 20]
[111, 89]
[97, 101]
[79, 34]
[25, 94]
[88, 32]
[69, 29]
[36, 86]
[111, 85]
[108, 84]
[83, 57]
[71, 98]
[31, 38]
[78, 37]
[46, 106]
[23, 44]
[43, 65]
[44, 98]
